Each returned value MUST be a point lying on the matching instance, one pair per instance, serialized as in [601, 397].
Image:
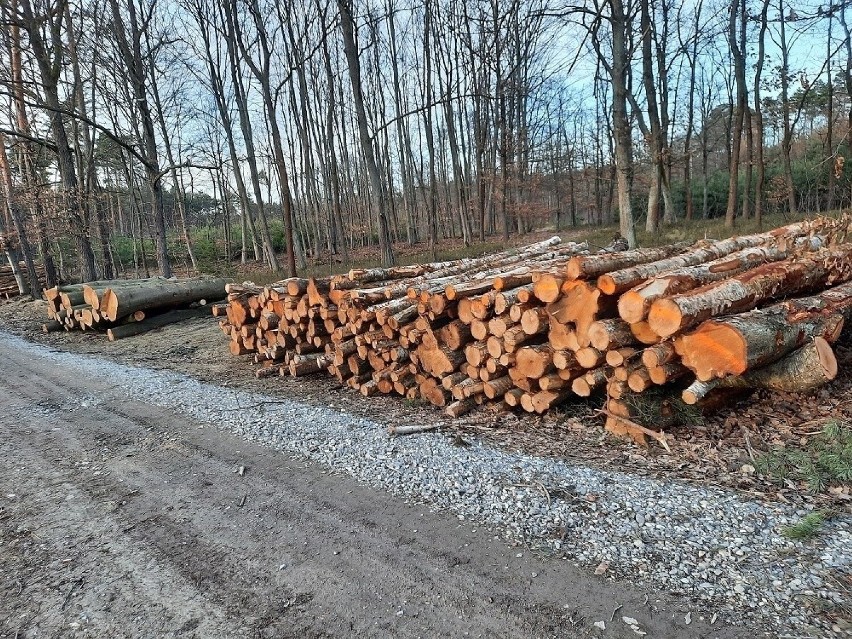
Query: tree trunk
[805, 369]
[351, 50]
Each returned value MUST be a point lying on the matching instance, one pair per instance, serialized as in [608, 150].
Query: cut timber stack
[112, 305]
[8, 283]
[536, 326]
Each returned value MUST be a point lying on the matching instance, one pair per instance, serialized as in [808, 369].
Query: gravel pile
[727, 553]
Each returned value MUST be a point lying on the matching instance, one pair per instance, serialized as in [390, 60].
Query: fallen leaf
[602, 568]
[630, 621]
[688, 618]
[600, 625]
[748, 469]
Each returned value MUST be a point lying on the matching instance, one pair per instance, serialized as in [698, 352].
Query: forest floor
[454, 248]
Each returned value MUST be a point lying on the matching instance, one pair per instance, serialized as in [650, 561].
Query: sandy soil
[130, 521]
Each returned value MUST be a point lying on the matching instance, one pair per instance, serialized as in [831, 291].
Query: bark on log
[635, 304]
[671, 315]
[610, 334]
[151, 323]
[162, 294]
[735, 344]
[592, 266]
[805, 369]
[617, 282]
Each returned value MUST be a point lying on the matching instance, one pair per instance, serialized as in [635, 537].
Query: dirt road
[130, 521]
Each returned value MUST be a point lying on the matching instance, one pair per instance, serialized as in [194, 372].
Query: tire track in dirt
[146, 504]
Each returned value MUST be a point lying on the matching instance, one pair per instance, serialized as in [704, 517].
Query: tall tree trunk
[31, 284]
[351, 50]
[787, 141]
[27, 158]
[622, 131]
[738, 54]
[49, 70]
[131, 53]
[233, 40]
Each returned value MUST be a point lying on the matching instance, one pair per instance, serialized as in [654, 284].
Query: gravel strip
[727, 553]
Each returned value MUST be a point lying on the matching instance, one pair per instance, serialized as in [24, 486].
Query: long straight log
[672, 315]
[592, 266]
[735, 344]
[805, 369]
[151, 323]
[162, 294]
[617, 282]
[635, 304]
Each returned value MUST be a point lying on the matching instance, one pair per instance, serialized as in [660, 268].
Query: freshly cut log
[535, 320]
[591, 266]
[667, 372]
[659, 354]
[553, 381]
[546, 399]
[643, 333]
[610, 334]
[639, 380]
[165, 293]
[461, 407]
[585, 385]
[151, 323]
[561, 337]
[671, 315]
[548, 287]
[497, 388]
[620, 356]
[582, 305]
[534, 361]
[505, 299]
[635, 304]
[617, 282]
[735, 344]
[805, 369]
[440, 361]
[590, 357]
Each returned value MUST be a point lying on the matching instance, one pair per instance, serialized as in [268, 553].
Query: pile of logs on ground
[656, 333]
[128, 307]
[8, 283]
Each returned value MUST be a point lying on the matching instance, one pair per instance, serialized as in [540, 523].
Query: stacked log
[534, 327]
[112, 305]
[8, 283]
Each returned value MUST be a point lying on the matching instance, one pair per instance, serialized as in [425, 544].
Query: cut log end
[607, 284]
[826, 357]
[665, 318]
[631, 307]
[714, 350]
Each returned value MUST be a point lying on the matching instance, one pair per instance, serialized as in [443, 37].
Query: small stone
[600, 625]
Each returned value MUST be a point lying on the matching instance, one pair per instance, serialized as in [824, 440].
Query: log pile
[680, 327]
[8, 284]
[128, 307]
